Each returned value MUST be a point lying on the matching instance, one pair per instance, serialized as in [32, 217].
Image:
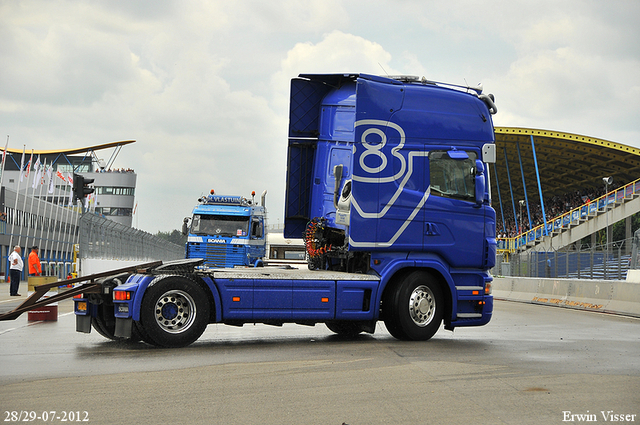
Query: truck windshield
[452, 178]
[220, 225]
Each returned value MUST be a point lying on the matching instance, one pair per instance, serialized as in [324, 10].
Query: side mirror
[479, 183]
[489, 153]
[185, 226]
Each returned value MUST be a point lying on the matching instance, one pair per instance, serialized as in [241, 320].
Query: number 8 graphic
[373, 149]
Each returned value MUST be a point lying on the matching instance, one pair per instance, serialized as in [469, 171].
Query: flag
[4, 152]
[29, 165]
[4, 156]
[50, 177]
[22, 166]
[70, 183]
[36, 173]
[60, 176]
[43, 172]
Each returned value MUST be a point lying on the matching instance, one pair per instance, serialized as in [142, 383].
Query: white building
[114, 194]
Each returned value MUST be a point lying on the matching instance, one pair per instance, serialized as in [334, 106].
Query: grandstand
[551, 190]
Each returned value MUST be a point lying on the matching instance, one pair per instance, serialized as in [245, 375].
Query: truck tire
[105, 324]
[174, 312]
[139, 329]
[414, 308]
[346, 328]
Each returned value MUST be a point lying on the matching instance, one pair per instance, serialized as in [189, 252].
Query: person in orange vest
[34, 262]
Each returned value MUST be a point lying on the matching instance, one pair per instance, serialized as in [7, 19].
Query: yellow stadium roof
[76, 150]
[566, 162]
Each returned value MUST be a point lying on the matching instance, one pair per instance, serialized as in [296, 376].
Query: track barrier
[47, 312]
[608, 296]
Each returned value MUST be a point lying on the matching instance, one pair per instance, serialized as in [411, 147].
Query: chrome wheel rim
[175, 311]
[422, 306]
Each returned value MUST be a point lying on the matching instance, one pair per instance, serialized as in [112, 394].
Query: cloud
[203, 86]
[337, 52]
[571, 72]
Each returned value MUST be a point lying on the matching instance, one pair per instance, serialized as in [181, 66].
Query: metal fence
[105, 239]
[604, 262]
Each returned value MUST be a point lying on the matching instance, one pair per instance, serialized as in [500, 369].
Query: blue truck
[227, 231]
[387, 181]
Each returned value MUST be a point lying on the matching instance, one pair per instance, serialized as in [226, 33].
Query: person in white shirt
[15, 271]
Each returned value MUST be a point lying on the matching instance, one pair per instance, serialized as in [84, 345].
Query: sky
[203, 86]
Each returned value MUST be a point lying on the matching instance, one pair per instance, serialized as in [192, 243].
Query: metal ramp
[87, 284]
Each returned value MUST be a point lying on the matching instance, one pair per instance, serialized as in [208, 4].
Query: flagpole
[39, 176]
[67, 223]
[4, 156]
[135, 209]
[60, 234]
[52, 221]
[24, 206]
[52, 227]
[45, 218]
[76, 239]
[16, 216]
[68, 206]
[4, 210]
[33, 198]
[61, 210]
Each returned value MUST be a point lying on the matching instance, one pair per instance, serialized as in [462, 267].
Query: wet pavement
[530, 364]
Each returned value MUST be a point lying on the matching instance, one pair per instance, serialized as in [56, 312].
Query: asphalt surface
[530, 365]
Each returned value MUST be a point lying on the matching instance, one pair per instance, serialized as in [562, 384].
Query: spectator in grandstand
[554, 207]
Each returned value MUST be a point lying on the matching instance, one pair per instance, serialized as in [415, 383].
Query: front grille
[218, 255]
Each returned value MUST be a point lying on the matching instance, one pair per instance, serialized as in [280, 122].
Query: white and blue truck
[388, 183]
[227, 231]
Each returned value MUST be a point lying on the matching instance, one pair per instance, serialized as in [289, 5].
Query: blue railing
[568, 219]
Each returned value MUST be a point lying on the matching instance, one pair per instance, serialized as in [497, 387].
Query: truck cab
[390, 176]
[226, 231]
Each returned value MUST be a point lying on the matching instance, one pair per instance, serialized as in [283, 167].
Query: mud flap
[83, 324]
[123, 327]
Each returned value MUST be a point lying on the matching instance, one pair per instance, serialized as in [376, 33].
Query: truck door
[454, 224]
[257, 242]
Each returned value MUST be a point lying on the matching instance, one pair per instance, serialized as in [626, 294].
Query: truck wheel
[174, 312]
[105, 324]
[139, 329]
[346, 328]
[413, 310]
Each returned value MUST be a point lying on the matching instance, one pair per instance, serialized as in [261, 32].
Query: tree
[174, 236]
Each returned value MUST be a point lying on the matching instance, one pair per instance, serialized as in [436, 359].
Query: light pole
[607, 181]
[521, 202]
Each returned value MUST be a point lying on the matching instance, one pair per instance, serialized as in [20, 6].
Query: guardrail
[619, 297]
[570, 219]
